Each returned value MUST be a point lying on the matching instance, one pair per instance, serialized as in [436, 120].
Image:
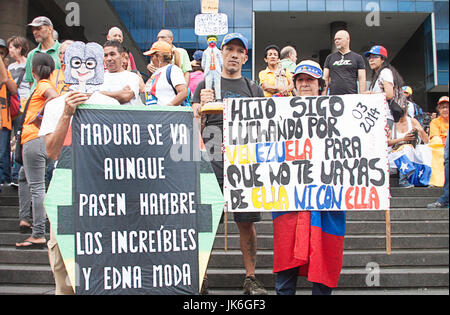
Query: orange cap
[159, 46]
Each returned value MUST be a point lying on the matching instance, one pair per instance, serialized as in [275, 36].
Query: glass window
[243, 13]
[442, 36]
[424, 6]
[279, 5]
[367, 5]
[406, 6]
[335, 5]
[388, 6]
[297, 5]
[261, 5]
[316, 5]
[352, 5]
[227, 7]
[441, 14]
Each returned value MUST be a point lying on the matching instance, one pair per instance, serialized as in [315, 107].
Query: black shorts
[245, 217]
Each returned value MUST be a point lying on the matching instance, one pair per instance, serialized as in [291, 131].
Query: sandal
[27, 244]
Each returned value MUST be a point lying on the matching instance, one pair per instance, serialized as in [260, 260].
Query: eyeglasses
[76, 63]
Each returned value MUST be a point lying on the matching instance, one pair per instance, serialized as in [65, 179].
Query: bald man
[116, 34]
[344, 70]
[184, 62]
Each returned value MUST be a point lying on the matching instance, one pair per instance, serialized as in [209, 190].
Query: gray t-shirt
[18, 71]
[213, 133]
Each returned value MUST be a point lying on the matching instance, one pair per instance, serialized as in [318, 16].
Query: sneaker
[436, 205]
[253, 287]
[15, 183]
[405, 185]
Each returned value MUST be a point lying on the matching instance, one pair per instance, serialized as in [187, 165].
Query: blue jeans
[286, 284]
[444, 197]
[5, 155]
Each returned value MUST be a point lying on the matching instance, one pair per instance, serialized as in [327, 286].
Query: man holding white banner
[233, 85]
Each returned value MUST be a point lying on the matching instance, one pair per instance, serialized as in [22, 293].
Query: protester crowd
[37, 78]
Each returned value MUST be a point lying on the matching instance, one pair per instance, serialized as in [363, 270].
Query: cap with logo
[229, 37]
[41, 20]
[309, 67]
[377, 50]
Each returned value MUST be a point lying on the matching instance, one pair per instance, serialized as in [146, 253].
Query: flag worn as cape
[313, 241]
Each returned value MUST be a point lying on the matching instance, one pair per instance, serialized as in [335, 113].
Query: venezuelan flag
[313, 241]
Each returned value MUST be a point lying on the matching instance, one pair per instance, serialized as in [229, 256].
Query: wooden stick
[226, 222]
[388, 232]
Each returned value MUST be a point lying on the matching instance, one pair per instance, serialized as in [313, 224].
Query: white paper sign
[210, 6]
[306, 153]
[211, 24]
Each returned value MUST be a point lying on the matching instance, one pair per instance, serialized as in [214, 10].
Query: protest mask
[84, 66]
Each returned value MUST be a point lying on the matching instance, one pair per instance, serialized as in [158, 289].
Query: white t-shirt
[55, 108]
[117, 81]
[163, 90]
[385, 76]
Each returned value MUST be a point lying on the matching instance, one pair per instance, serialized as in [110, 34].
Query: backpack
[187, 101]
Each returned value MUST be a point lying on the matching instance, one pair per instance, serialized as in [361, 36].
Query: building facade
[415, 32]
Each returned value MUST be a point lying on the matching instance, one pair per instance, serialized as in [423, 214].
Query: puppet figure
[212, 66]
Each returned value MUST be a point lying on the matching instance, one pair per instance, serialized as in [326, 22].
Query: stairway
[21, 271]
[418, 263]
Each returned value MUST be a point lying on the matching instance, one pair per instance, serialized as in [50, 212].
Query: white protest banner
[306, 153]
[211, 24]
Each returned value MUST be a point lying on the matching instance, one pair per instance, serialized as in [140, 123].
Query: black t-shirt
[212, 134]
[344, 72]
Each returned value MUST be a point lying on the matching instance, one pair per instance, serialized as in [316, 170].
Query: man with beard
[42, 29]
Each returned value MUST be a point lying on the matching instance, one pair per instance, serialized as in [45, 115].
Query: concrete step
[352, 258]
[416, 192]
[6, 200]
[357, 241]
[11, 255]
[409, 202]
[26, 274]
[9, 239]
[27, 289]
[396, 214]
[363, 227]
[400, 278]
[12, 225]
[362, 291]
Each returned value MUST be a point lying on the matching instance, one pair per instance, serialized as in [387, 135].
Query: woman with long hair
[32, 174]
[385, 78]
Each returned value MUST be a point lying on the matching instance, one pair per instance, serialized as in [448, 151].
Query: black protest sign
[134, 202]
